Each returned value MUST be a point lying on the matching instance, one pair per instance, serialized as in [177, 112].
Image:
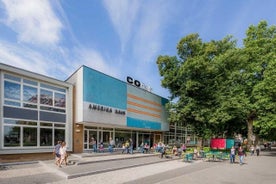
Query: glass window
[29, 136]
[60, 100]
[27, 123]
[30, 106]
[7, 76]
[59, 135]
[29, 94]
[11, 90]
[46, 97]
[17, 104]
[46, 124]
[52, 87]
[30, 82]
[11, 121]
[59, 125]
[52, 109]
[11, 136]
[46, 137]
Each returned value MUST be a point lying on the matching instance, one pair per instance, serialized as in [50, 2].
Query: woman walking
[241, 154]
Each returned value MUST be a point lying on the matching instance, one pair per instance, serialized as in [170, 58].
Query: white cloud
[123, 14]
[93, 59]
[34, 21]
[24, 58]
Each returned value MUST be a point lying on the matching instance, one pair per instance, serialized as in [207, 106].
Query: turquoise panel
[137, 123]
[229, 143]
[104, 90]
[164, 101]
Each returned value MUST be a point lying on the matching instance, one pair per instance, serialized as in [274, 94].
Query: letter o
[137, 83]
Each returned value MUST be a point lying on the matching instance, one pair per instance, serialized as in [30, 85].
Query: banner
[218, 143]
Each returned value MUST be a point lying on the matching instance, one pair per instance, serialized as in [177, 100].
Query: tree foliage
[221, 89]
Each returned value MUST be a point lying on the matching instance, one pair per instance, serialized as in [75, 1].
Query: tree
[218, 87]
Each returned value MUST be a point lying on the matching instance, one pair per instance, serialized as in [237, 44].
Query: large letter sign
[135, 82]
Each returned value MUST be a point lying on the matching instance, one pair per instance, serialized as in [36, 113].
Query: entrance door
[157, 138]
[88, 134]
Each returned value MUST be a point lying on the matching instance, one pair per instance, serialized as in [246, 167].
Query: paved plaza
[143, 168]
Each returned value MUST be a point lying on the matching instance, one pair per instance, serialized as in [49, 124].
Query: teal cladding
[138, 123]
[229, 143]
[104, 90]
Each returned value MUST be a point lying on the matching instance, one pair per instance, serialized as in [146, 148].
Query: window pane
[11, 136]
[10, 121]
[60, 100]
[59, 135]
[46, 136]
[52, 109]
[46, 124]
[52, 87]
[30, 106]
[27, 123]
[11, 90]
[46, 97]
[17, 104]
[29, 136]
[30, 82]
[29, 94]
[59, 125]
[7, 76]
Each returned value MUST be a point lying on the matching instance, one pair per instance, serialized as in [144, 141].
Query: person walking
[241, 154]
[232, 155]
[63, 154]
[56, 152]
[258, 149]
[252, 150]
[130, 146]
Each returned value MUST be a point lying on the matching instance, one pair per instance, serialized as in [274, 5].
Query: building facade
[105, 107]
[35, 112]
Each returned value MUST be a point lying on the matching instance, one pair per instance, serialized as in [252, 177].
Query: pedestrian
[111, 145]
[252, 150]
[63, 154]
[130, 146]
[232, 155]
[241, 154]
[126, 149]
[258, 149]
[93, 142]
[56, 152]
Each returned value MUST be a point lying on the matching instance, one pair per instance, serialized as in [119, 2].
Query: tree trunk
[250, 131]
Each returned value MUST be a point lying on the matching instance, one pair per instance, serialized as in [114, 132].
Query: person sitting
[159, 147]
[101, 147]
[178, 152]
[146, 148]
[174, 150]
[183, 147]
[195, 153]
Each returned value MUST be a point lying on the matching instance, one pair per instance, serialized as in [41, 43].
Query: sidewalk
[84, 164]
[141, 168]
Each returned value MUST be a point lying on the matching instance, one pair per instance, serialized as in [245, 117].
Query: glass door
[88, 135]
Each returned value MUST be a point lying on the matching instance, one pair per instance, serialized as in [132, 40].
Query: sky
[117, 37]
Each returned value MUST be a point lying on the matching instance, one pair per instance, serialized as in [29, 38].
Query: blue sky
[118, 37]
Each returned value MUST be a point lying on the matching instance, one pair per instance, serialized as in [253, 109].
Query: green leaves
[221, 88]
